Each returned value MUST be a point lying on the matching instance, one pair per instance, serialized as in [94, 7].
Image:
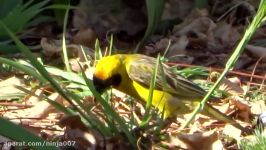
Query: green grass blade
[23, 68]
[147, 116]
[70, 76]
[154, 11]
[84, 54]
[22, 14]
[98, 50]
[59, 6]
[111, 43]
[7, 6]
[66, 61]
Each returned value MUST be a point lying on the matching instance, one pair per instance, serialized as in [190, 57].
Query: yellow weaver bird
[173, 94]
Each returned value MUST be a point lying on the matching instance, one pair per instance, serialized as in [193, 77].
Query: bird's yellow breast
[161, 100]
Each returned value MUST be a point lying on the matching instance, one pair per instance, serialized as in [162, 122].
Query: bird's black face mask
[102, 85]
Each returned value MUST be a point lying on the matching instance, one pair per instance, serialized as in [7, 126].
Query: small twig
[254, 69]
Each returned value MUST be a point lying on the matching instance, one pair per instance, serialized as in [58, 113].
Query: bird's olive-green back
[140, 69]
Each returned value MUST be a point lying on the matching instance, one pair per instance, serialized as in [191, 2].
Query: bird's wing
[141, 69]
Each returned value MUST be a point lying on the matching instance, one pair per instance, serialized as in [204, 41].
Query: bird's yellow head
[108, 72]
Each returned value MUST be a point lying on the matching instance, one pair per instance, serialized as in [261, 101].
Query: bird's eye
[115, 80]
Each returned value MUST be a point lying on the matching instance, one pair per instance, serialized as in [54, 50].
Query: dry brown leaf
[174, 8]
[86, 37]
[206, 121]
[51, 47]
[217, 37]
[43, 108]
[195, 14]
[224, 108]
[76, 65]
[223, 36]
[84, 137]
[7, 87]
[243, 108]
[162, 44]
[177, 48]
[226, 34]
[200, 26]
[258, 107]
[232, 131]
[202, 123]
[39, 110]
[197, 141]
[33, 100]
[89, 72]
[230, 85]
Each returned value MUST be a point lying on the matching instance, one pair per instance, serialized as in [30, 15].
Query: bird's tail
[214, 113]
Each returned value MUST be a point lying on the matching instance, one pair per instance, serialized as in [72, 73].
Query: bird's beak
[99, 84]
